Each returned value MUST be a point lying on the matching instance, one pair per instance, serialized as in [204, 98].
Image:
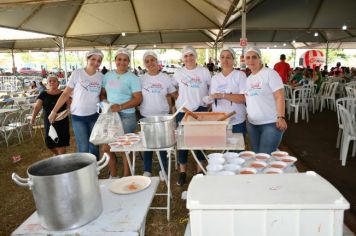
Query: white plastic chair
[329, 96]
[350, 105]
[348, 134]
[287, 94]
[24, 123]
[350, 92]
[300, 99]
[7, 128]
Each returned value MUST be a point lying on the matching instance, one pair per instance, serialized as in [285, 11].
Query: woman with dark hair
[47, 100]
[84, 87]
[122, 89]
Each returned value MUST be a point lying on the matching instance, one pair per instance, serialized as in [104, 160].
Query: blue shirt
[120, 87]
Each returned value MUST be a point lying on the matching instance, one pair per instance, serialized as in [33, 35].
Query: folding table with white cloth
[123, 214]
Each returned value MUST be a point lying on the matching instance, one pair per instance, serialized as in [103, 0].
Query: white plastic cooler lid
[264, 191]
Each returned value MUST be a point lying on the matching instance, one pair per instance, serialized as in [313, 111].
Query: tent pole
[327, 53]
[295, 56]
[110, 55]
[243, 34]
[14, 70]
[65, 61]
[133, 59]
[59, 59]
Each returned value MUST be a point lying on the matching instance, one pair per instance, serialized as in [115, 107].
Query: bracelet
[281, 117]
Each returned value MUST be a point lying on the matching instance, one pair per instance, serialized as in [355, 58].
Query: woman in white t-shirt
[227, 89]
[156, 89]
[193, 83]
[265, 104]
[84, 87]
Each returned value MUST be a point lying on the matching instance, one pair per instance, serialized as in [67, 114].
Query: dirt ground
[313, 144]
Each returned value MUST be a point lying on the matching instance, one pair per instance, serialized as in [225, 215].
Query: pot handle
[24, 182]
[103, 162]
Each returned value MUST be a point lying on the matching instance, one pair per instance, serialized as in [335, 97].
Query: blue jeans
[129, 122]
[82, 127]
[264, 138]
[239, 128]
[183, 154]
[147, 159]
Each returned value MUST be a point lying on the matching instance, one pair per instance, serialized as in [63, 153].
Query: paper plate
[130, 184]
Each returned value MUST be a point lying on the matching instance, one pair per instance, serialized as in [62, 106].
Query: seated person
[298, 76]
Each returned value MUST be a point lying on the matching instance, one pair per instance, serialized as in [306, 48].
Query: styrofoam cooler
[301, 204]
[206, 131]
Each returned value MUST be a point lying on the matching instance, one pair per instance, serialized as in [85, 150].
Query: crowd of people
[257, 99]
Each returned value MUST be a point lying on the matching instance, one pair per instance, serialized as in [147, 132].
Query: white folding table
[123, 215]
[238, 144]
[138, 147]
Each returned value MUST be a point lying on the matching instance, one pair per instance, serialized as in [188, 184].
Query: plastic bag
[107, 128]
[52, 133]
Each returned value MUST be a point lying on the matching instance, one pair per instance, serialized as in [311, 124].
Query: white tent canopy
[173, 23]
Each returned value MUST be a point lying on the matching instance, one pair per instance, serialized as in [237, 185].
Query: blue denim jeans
[129, 122]
[147, 161]
[183, 154]
[82, 127]
[264, 138]
[239, 128]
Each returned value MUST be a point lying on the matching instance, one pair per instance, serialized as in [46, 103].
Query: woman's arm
[36, 110]
[62, 99]
[236, 98]
[134, 102]
[103, 94]
[281, 123]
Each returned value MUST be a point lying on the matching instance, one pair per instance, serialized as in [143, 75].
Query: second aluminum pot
[158, 131]
[65, 189]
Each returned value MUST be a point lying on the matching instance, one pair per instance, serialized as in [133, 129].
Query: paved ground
[314, 143]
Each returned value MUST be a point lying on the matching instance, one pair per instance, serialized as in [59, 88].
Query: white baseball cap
[189, 49]
[230, 50]
[150, 53]
[254, 49]
[95, 51]
[124, 51]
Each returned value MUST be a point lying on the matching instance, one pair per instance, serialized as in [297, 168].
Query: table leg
[127, 154]
[197, 161]
[133, 162]
[167, 178]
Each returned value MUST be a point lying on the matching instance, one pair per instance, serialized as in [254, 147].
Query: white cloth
[233, 83]
[154, 92]
[260, 101]
[193, 86]
[86, 91]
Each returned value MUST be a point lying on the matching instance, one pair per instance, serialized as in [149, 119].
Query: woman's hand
[33, 120]
[116, 108]
[281, 124]
[52, 117]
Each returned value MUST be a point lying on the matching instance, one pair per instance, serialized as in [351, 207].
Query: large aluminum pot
[158, 131]
[65, 189]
